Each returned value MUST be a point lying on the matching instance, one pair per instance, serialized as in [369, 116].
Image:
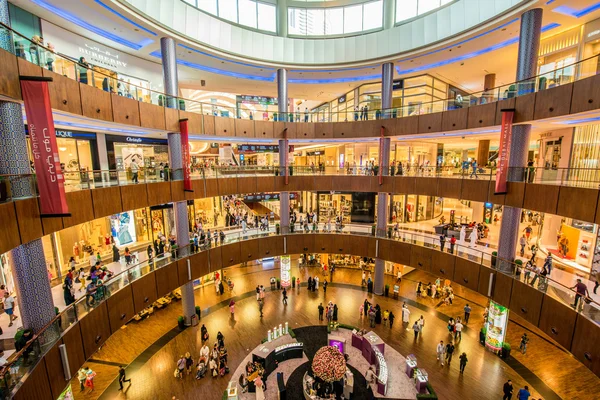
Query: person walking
[458, 327]
[325, 287]
[523, 244]
[321, 309]
[463, 362]
[421, 324]
[507, 390]
[405, 314]
[595, 274]
[181, 367]
[232, 307]
[452, 244]
[364, 279]
[416, 329]
[580, 291]
[123, 377]
[261, 304]
[523, 394]
[9, 307]
[391, 317]
[386, 315]
[372, 317]
[134, 171]
[467, 310]
[440, 350]
[284, 294]
[442, 242]
[474, 169]
[81, 376]
[449, 352]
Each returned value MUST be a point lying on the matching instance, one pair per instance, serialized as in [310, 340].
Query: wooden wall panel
[404, 185]
[107, 201]
[152, 116]
[385, 248]
[301, 183]
[120, 308]
[585, 343]
[265, 183]
[227, 186]
[134, 197]
[54, 368]
[64, 93]
[298, 244]
[9, 78]
[158, 193]
[344, 183]
[198, 123]
[208, 123]
[524, 108]
[558, 321]
[177, 191]
[430, 123]
[95, 329]
[231, 255]
[485, 274]
[211, 186]
[172, 121]
[249, 250]
[304, 130]
[27, 214]
[74, 343]
[214, 258]
[29, 69]
[421, 258]
[95, 103]
[324, 243]
[586, 95]
[475, 189]
[270, 246]
[495, 198]
[449, 188]
[502, 289]
[455, 119]
[357, 245]
[144, 292]
[542, 198]
[182, 270]
[246, 185]
[198, 264]
[36, 386]
[263, 129]
[244, 128]
[466, 273]
[167, 279]
[503, 105]
[426, 186]
[9, 234]
[407, 125]
[442, 264]
[342, 130]
[323, 130]
[127, 111]
[225, 126]
[583, 209]
[553, 102]
[483, 115]
[515, 193]
[80, 207]
[526, 302]
[52, 224]
[280, 129]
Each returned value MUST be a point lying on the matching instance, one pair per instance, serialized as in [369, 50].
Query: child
[200, 369]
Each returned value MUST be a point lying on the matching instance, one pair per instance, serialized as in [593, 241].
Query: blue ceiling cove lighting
[99, 128]
[566, 10]
[101, 32]
[335, 80]
[125, 18]
[467, 56]
[223, 59]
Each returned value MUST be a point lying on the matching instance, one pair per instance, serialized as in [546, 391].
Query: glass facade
[408, 9]
[250, 13]
[335, 21]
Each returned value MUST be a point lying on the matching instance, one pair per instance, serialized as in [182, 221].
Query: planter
[390, 232]
[181, 322]
[386, 290]
[278, 284]
[494, 258]
[277, 229]
[291, 170]
[505, 353]
[293, 281]
[198, 312]
[373, 230]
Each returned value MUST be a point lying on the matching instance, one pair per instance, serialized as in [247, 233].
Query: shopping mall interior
[299, 199]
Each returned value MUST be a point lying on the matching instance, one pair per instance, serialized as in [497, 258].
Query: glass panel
[373, 15]
[267, 20]
[353, 19]
[247, 13]
[428, 5]
[406, 9]
[210, 6]
[334, 21]
[315, 22]
[297, 21]
[192, 2]
[228, 10]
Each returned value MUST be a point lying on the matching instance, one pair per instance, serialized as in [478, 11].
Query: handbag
[176, 373]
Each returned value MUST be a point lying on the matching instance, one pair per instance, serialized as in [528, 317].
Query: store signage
[185, 155]
[504, 151]
[342, 99]
[50, 179]
[592, 30]
[262, 100]
[67, 134]
[254, 198]
[398, 84]
[97, 55]
[133, 139]
[315, 153]
[286, 267]
[253, 148]
[496, 326]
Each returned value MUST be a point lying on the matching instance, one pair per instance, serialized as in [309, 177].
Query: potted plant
[291, 170]
[181, 322]
[505, 351]
[376, 170]
[293, 282]
[373, 229]
[518, 267]
[387, 290]
[198, 312]
[277, 228]
[482, 334]
[494, 258]
[390, 230]
[278, 284]
[292, 228]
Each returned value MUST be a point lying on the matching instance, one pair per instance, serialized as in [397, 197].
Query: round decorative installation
[329, 364]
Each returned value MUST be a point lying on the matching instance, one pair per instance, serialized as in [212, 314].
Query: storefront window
[585, 154]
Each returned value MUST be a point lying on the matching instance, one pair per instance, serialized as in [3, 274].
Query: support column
[28, 264]
[282, 106]
[387, 83]
[389, 14]
[169, 62]
[529, 43]
[489, 82]
[383, 199]
[282, 18]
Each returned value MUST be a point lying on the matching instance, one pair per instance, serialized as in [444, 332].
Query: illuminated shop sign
[496, 326]
[286, 267]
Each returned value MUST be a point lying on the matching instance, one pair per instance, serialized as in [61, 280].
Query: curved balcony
[84, 328]
[538, 98]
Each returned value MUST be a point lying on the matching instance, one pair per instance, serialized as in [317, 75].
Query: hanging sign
[504, 151]
[185, 155]
[50, 179]
[286, 267]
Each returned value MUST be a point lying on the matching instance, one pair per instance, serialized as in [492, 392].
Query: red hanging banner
[381, 156]
[504, 151]
[50, 179]
[185, 155]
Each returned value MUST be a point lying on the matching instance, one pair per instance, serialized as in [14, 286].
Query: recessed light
[136, 29]
[503, 29]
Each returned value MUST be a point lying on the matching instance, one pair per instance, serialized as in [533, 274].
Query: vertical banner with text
[40, 123]
[185, 155]
[504, 151]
